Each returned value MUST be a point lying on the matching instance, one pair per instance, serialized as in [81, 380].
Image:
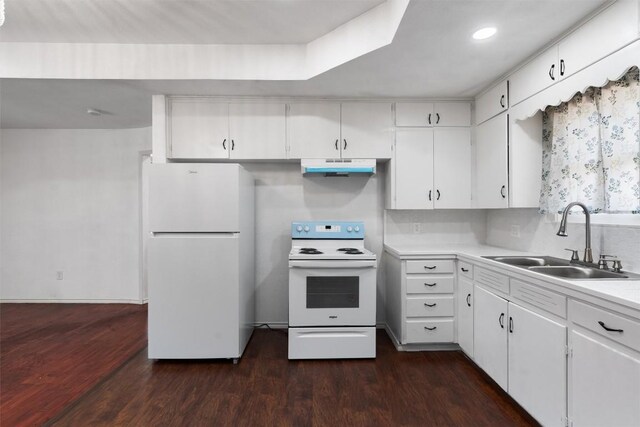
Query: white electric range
[332, 292]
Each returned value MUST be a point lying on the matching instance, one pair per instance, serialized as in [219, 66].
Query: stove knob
[299, 229]
[357, 229]
[306, 228]
[349, 229]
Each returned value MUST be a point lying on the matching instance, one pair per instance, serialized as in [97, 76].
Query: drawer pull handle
[430, 284]
[468, 300]
[430, 329]
[429, 268]
[606, 328]
[501, 320]
[464, 270]
[430, 305]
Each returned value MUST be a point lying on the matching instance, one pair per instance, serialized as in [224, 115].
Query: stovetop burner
[310, 251]
[351, 251]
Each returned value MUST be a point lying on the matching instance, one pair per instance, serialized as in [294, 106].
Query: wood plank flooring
[265, 389]
[52, 354]
[79, 364]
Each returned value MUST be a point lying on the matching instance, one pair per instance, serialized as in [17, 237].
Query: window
[591, 149]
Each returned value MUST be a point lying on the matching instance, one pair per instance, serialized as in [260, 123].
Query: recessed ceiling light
[94, 112]
[484, 33]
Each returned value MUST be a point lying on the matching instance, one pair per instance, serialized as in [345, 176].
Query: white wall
[283, 195]
[538, 235]
[436, 226]
[70, 201]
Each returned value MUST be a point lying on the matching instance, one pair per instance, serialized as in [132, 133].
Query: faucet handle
[602, 262]
[574, 254]
[617, 266]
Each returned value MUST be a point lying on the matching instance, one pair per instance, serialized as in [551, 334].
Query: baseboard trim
[72, 301]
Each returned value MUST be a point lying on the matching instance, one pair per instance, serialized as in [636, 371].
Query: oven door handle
[347, 264]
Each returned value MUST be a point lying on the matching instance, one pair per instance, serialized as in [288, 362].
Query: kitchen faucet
[562, 231]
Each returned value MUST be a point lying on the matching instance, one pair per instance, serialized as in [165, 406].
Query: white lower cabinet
[490, 335]
[465, 303]
[524, 352]
[604, 368]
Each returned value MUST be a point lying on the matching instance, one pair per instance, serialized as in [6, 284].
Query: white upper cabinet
[492, 102]
[198, 129]
[491, 163]
[367, 130]
[613, 28]
[413, 169]
[430, 169]
[425, 114]
[355, 130]
[537, 75]
[314, 130]
[452, 168]
[257, 131]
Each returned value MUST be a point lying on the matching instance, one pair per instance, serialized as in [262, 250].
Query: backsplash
[435, 226]
[538, 234]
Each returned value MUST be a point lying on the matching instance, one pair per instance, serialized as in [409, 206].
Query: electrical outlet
[416, 227]
[515, 230]
[59, 275]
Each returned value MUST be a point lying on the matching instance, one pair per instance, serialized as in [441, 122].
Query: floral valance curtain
[591, 149]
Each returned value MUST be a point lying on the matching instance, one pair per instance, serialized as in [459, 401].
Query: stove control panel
[338, 230]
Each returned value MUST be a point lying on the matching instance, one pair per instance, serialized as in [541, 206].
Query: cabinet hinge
[568, 351]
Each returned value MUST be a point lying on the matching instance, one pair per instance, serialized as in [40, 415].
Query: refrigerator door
[194, 300]
[192, 198]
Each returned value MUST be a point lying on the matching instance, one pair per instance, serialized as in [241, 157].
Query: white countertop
[623, 292]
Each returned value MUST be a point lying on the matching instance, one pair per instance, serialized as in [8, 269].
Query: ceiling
[431, 56]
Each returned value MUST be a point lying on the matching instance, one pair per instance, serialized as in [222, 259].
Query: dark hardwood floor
[52, 354]
[70, 365]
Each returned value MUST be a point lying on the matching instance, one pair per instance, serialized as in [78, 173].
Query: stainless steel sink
[578, 272]
[558, 267]
[528, 261]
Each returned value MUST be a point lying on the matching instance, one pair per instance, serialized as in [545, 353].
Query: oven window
[333, 292]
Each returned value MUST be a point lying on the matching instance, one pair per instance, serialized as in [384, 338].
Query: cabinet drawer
[538, 297]
[429, 306]
[494, 281]
[590, 318]
[428, 331]
[465, 269]
[430, 266]
[431, 284]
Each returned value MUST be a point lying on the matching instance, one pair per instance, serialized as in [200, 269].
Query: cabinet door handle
[431, 285]
[430, 329]
[606, 328]
[562, 67]
[510, 324]
[464, 270]
[224, 144]
[233, 145]
[345, 144]
[429, 118]
[429, 195]
[501, 320]
[469, 300]
[437, 118]
[430, 305]
[504, 187]
[430, 268]
[502, 101]
[438, 194]
[337, 140]
[551, 71]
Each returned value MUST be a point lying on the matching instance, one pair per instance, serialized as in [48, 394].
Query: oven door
[332, 293]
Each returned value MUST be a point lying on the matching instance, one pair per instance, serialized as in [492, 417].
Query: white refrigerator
[200, 261]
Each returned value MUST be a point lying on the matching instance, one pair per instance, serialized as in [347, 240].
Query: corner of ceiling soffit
[361, 35]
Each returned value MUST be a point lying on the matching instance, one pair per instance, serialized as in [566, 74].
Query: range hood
[338, 167]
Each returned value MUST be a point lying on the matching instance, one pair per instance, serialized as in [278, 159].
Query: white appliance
[332, 292]
[200, 261]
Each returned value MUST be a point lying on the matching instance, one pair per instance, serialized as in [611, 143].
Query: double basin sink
[558, 267]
